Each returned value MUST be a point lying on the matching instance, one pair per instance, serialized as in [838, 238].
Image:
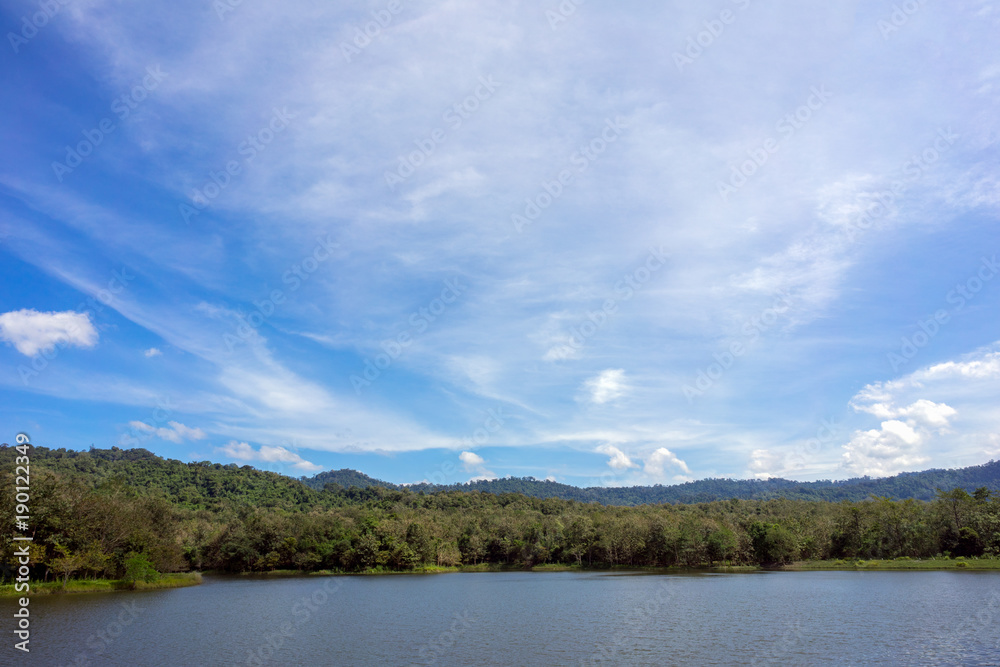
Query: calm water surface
[780, 618]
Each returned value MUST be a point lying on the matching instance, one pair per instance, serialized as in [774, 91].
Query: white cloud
[618, 460]
[152, 352]
[919, 417]
[470, 460]
[765, 463]
[881, 452]
[243, 451]
[935, 415]
[897, 445]
[607, 386]
[32, 332]
[240, 451]
[476, 464]
[655, 462]
[176, 433]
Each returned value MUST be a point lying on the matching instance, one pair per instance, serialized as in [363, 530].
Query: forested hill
[206, 484]
[917, 485]
[105, 513]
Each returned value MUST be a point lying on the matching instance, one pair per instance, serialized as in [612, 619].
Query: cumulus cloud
[32, 332]
[893, 448]
[174, 432]
[897, 445]
[476, 464]
[152, 352]
[242, 451]
[661, 458]
[618, 460]
[607, 386]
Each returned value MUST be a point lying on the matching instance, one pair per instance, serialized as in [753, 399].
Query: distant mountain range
[917, 485]
[206, 484]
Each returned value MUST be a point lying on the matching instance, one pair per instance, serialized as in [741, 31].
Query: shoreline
[74, 586]
[185, 579]
[904, 564]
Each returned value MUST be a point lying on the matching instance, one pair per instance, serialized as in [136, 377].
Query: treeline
[87, 522]
[916, 485]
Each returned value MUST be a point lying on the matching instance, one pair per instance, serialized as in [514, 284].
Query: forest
[918, 485]
[96, 514]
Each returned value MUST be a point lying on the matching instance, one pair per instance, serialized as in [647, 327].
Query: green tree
[139, 568]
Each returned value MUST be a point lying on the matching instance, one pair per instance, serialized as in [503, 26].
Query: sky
[602, 243]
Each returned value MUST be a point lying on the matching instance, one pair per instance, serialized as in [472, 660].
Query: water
[780, 618]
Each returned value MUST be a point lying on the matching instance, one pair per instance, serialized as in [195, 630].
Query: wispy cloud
[607, 386]
[813, 222]
[242, 451]
[173, 432]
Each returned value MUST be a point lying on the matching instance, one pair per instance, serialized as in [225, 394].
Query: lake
[515, 618]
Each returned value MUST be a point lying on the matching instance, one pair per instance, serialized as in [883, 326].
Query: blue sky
[601, 243]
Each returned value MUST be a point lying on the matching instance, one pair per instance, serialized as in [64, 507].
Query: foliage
[138, 568]
[126, 514]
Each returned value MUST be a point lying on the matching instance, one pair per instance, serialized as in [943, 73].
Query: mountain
[917, 485]
[205, 485]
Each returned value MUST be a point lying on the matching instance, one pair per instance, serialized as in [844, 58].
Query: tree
[64, 563]
[772, 544]
[138, 568]
[721, 544]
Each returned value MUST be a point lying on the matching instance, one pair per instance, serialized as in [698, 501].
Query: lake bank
[165, 581]
[928, 564]
[184, 579]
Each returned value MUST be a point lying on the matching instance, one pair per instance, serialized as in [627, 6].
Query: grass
[899, 564]
[178, 580]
